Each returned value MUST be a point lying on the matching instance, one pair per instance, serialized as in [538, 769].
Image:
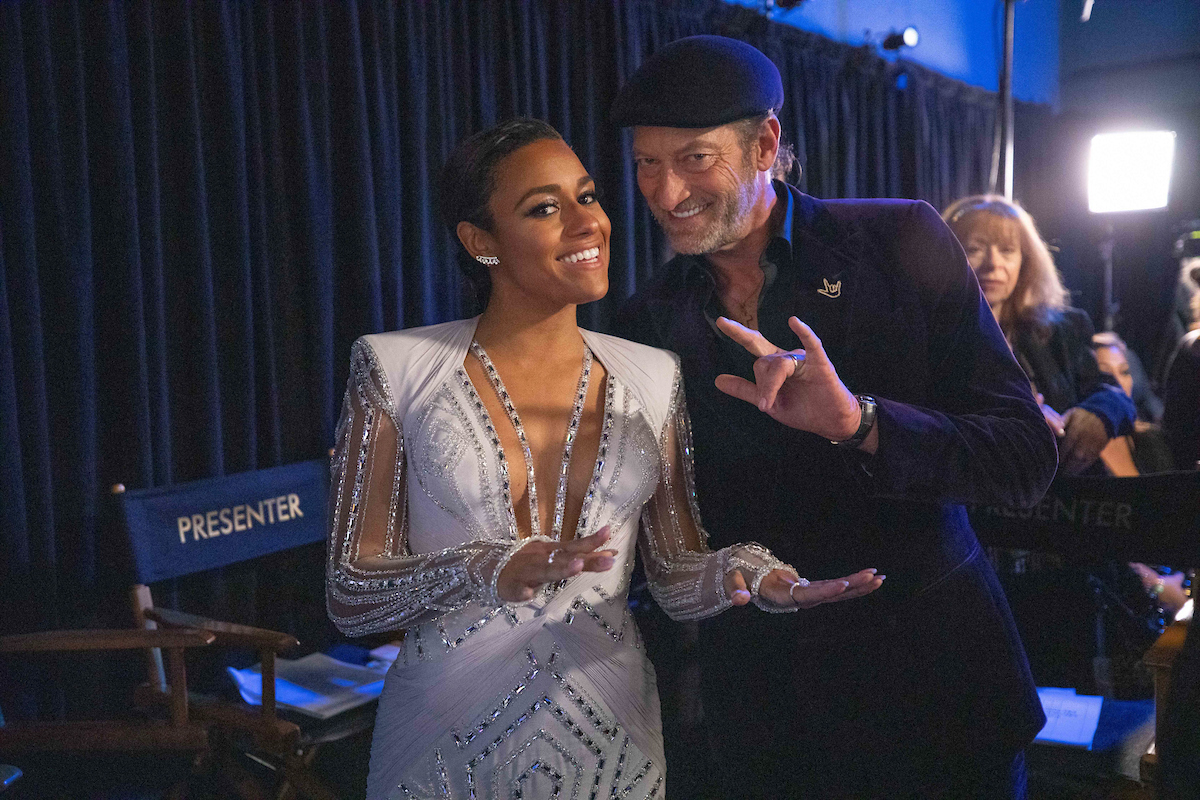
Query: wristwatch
[867, 404]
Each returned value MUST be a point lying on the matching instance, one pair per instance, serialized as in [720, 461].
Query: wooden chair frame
[1160, 659]
[178, 733]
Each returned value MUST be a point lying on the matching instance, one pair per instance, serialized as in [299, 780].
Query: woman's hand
[1083, 441]
[1166, 589]
[539, 563]
[783, 588]
[1052, 417]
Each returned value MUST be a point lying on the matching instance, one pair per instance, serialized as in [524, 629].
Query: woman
[490, 480]
[1085, 408]
[1143, 450]
[1051, 340]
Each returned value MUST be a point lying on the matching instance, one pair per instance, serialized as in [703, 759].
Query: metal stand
[1111, 306]
[1006, 103]
[1102, 672]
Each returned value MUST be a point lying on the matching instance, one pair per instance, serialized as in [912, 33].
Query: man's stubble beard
[732, 225]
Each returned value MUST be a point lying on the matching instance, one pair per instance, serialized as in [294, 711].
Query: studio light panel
[1130, 171]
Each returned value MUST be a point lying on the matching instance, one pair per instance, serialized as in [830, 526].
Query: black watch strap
[867, 404]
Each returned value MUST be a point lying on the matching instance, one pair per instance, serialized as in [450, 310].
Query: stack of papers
[1071, 718]
[317, 685]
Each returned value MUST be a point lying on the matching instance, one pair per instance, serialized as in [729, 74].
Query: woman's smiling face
[548, 229]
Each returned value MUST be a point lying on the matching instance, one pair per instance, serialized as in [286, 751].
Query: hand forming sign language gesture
[799, 388]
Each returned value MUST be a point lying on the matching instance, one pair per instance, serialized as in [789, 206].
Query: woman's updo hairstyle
[469, 178]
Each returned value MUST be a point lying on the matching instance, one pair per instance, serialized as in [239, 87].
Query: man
[921, 689]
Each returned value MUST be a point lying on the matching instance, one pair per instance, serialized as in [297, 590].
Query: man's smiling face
[699, 184]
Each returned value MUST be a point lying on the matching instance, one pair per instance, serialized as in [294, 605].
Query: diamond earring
[488, 261]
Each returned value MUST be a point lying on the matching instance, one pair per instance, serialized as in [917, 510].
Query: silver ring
[792, 590]
[798, 361]
[553, 553]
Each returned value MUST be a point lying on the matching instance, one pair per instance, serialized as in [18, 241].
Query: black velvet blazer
[886, 287]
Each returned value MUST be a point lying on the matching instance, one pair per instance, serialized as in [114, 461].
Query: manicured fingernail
[741, 593]
[762, 404]
[872, 570]
[881, 577]
[845, 584]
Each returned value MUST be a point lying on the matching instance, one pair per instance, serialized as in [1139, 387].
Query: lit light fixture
[774, 7]
[905, 38]
[1130, 171]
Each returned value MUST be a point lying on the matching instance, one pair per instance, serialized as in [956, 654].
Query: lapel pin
[832, 290]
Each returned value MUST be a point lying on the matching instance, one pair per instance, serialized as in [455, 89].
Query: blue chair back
[1153, 518]
[187, 528]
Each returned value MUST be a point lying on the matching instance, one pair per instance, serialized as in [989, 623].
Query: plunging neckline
[560, 499]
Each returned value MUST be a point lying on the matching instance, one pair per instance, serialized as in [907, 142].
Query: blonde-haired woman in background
[1051, 340]
[1048, 592]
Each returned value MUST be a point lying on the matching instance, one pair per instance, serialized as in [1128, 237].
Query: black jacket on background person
[1062, 365]
[1181, 402]
[925, 680]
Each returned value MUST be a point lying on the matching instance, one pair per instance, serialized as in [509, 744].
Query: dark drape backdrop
[203, 204]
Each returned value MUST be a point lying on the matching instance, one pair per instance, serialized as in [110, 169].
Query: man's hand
[782, 588]
[1085, 437]
[539, 563]
[799, 388]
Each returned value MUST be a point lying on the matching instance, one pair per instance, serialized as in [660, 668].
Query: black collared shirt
[779, 279]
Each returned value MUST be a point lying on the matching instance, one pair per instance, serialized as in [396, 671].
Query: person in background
[1049, 593]
[1052, 341]
[1148, 404]
[1181, 319]
[1179, 751]
[1181, 386]
[1143, 450]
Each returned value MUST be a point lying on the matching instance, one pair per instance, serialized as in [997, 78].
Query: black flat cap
[699, 82]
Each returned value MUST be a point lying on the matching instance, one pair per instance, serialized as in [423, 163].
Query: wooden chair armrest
[107, 736]
[1164, 651]
[227, 632]
[101, 639]
[269, 731]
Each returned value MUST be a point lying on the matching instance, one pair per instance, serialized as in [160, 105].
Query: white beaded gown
[551, 698]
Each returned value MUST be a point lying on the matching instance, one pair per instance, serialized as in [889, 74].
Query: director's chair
[186, 529]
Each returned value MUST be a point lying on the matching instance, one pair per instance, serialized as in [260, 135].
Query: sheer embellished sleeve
[373, 581]
[686, 578]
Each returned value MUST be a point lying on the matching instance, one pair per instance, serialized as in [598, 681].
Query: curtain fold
[203, 204]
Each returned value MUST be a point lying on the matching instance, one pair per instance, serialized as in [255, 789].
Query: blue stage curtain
[203, 204]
